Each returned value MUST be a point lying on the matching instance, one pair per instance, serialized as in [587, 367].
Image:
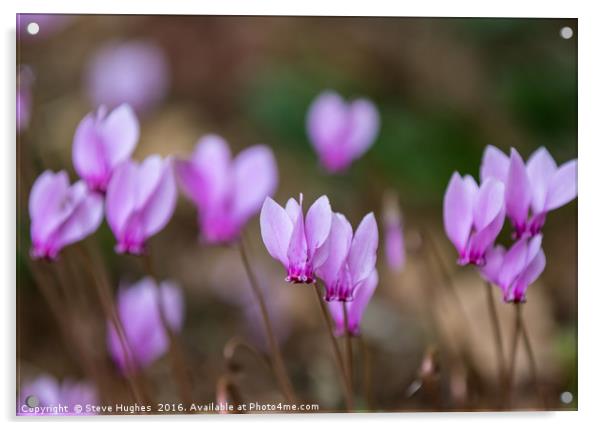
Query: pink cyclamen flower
[350, 258]
[61, 214]
[139, 312]
[101, 142]
[134, 72]
[473, 216]
[355, 308]
[54, 398]
[341, 132]
[295, 240]
[514, 270]
[226, 191]
[395, 251]
[141, 199]
[532, 189]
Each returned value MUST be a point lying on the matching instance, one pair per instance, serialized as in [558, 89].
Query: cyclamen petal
[341, 132]
[515, 269]
[140, 201]
[227, 192]
[351, 258]
[494, 164]
[563, 186]
[473, 217]
[101, 142]
[285, 235]
[61, 214]
[518, 193]
[138, 308]
[355, 308]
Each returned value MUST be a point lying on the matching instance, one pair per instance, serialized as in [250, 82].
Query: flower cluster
[322, 245]
[139, 198]
[474, 215]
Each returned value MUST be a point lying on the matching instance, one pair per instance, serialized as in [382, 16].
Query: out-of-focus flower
[134, 72]
[227, 192]
[540, 185]
[138, 309]
[25, 79]
[341, 132]
[61, 214]
[293, 240]
[54, 398]
[395, 251]
[473, 216]
[514, 270]
[48, 24]
[141, 199]
[355, 308]
[350, 258]
[101, 142]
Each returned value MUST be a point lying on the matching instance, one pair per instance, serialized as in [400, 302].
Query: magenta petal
[297, 249]
[362, 253]
[89, 155]
[458, 211]
[489, 203]
[365, 123]
[484, 238]
[45, 198]
[563, 186]
[529, 275]
[518, 195]
[172, 302]
[514, 263]
[276, 229]
[120, 133]
[357, 306]
[255, 178]
[190, 180]
[120, 198]
[494, 259]
[317, 225]
[336, 249]
[336, 312]
[540, 168]
[84, 220]
[212, 159]
[327, 116]
[494, 164]
[159, 206]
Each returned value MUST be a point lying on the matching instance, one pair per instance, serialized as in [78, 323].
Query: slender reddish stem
[497, 334]
[339, 358]
[348, 346]
[277, 361]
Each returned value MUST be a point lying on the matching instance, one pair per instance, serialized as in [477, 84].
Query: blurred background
[445, 88]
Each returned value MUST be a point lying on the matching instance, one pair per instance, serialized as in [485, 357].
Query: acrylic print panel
[295, 214]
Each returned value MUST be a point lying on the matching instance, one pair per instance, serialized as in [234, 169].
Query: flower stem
[178, 363]
[348, 345]
[532, 365]
[277, 362]
[111, 314]
[339, 358]
[367, 367]
[497, 334]
[515, 337]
